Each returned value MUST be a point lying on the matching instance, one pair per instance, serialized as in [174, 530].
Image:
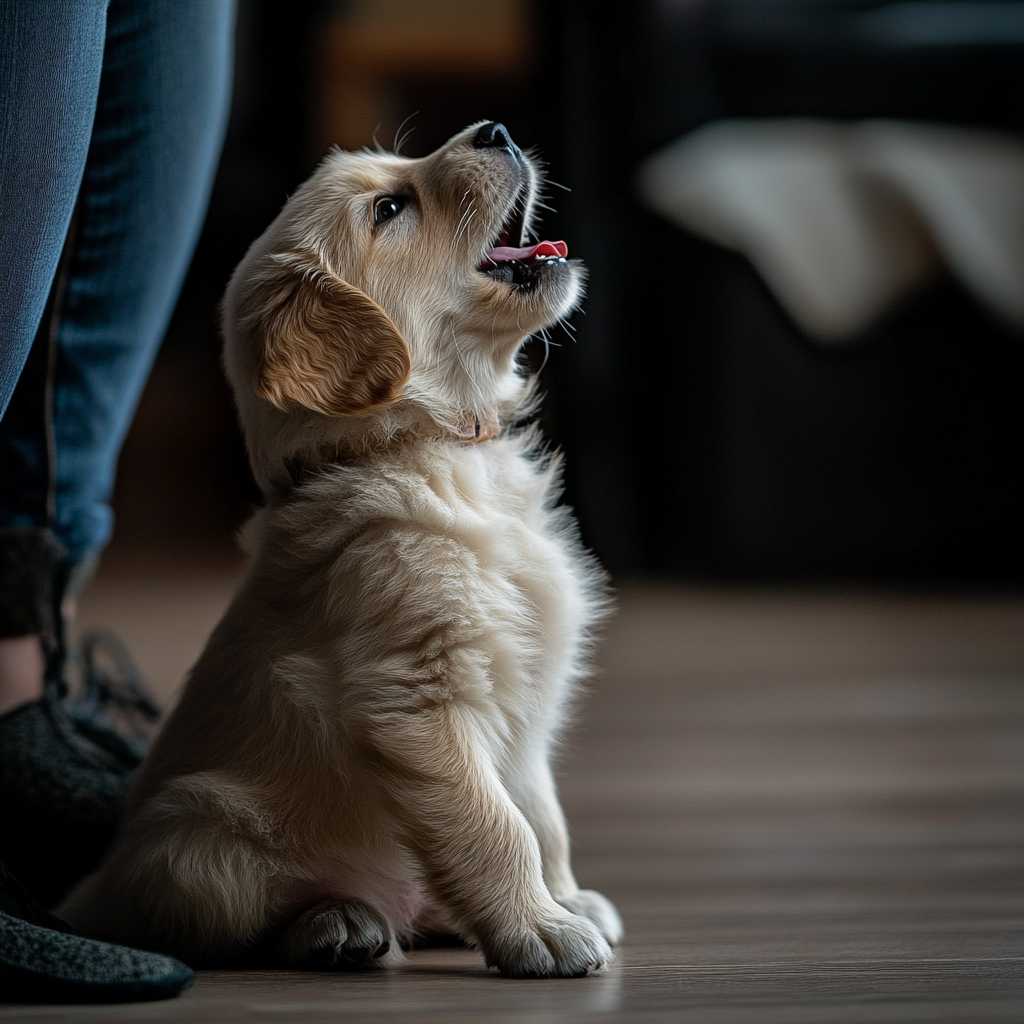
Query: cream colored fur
[362, 751]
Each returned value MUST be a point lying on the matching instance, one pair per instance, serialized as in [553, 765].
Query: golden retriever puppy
[361, 754]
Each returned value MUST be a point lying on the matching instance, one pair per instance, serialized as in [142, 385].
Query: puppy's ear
[320, 342]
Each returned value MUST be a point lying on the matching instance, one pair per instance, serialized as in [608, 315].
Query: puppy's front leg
[479, 854]
[533, 789]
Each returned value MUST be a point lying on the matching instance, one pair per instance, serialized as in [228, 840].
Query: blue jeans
[112, 115]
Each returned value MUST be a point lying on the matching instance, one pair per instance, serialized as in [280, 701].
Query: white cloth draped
[842, 220]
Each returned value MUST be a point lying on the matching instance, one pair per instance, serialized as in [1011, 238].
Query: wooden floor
[809, 807]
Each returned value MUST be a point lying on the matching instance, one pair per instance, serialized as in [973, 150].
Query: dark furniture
[706, 437]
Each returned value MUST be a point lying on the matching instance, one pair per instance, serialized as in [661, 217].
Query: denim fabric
[112, 114]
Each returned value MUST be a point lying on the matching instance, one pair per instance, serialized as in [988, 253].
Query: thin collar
[473, 429]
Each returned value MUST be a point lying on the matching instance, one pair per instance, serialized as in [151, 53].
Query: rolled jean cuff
[34, 574]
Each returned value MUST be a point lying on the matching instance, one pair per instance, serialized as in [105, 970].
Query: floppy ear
[322, 343]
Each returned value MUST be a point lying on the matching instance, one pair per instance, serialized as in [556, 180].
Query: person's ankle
[21, 671]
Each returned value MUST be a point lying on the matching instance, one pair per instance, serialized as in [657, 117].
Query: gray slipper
[40, 965]
[60, 799]
[42, 961]
[65, 766]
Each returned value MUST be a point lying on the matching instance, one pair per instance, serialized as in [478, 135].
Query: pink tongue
[507, 252]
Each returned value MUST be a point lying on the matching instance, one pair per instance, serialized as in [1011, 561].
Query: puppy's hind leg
[188, 876]
[338, 934]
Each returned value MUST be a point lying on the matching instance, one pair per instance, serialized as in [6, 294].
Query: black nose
[494, 136]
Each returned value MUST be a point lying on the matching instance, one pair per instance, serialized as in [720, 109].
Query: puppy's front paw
[564, 947]
[338, 934]
[599, 909]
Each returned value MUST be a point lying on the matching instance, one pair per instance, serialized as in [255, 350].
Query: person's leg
[160, 113]
[159, 120]
[51, 54]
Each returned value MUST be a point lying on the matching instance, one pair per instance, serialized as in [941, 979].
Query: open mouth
[511, 263]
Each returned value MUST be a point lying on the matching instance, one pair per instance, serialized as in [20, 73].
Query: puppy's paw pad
[599, 909]
[566, 947]
[338, 934]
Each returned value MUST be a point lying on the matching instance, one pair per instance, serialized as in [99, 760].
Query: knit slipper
[41, 965]
[61, 799]
[66, 764]
[43, 961]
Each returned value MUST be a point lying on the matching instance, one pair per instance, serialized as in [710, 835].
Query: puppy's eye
[387, 207]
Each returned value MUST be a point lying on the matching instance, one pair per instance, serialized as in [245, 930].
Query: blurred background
[710, 435]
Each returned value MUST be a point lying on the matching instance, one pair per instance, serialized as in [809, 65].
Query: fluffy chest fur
[444, 572]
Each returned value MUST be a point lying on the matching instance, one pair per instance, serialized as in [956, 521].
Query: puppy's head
[391, 293]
